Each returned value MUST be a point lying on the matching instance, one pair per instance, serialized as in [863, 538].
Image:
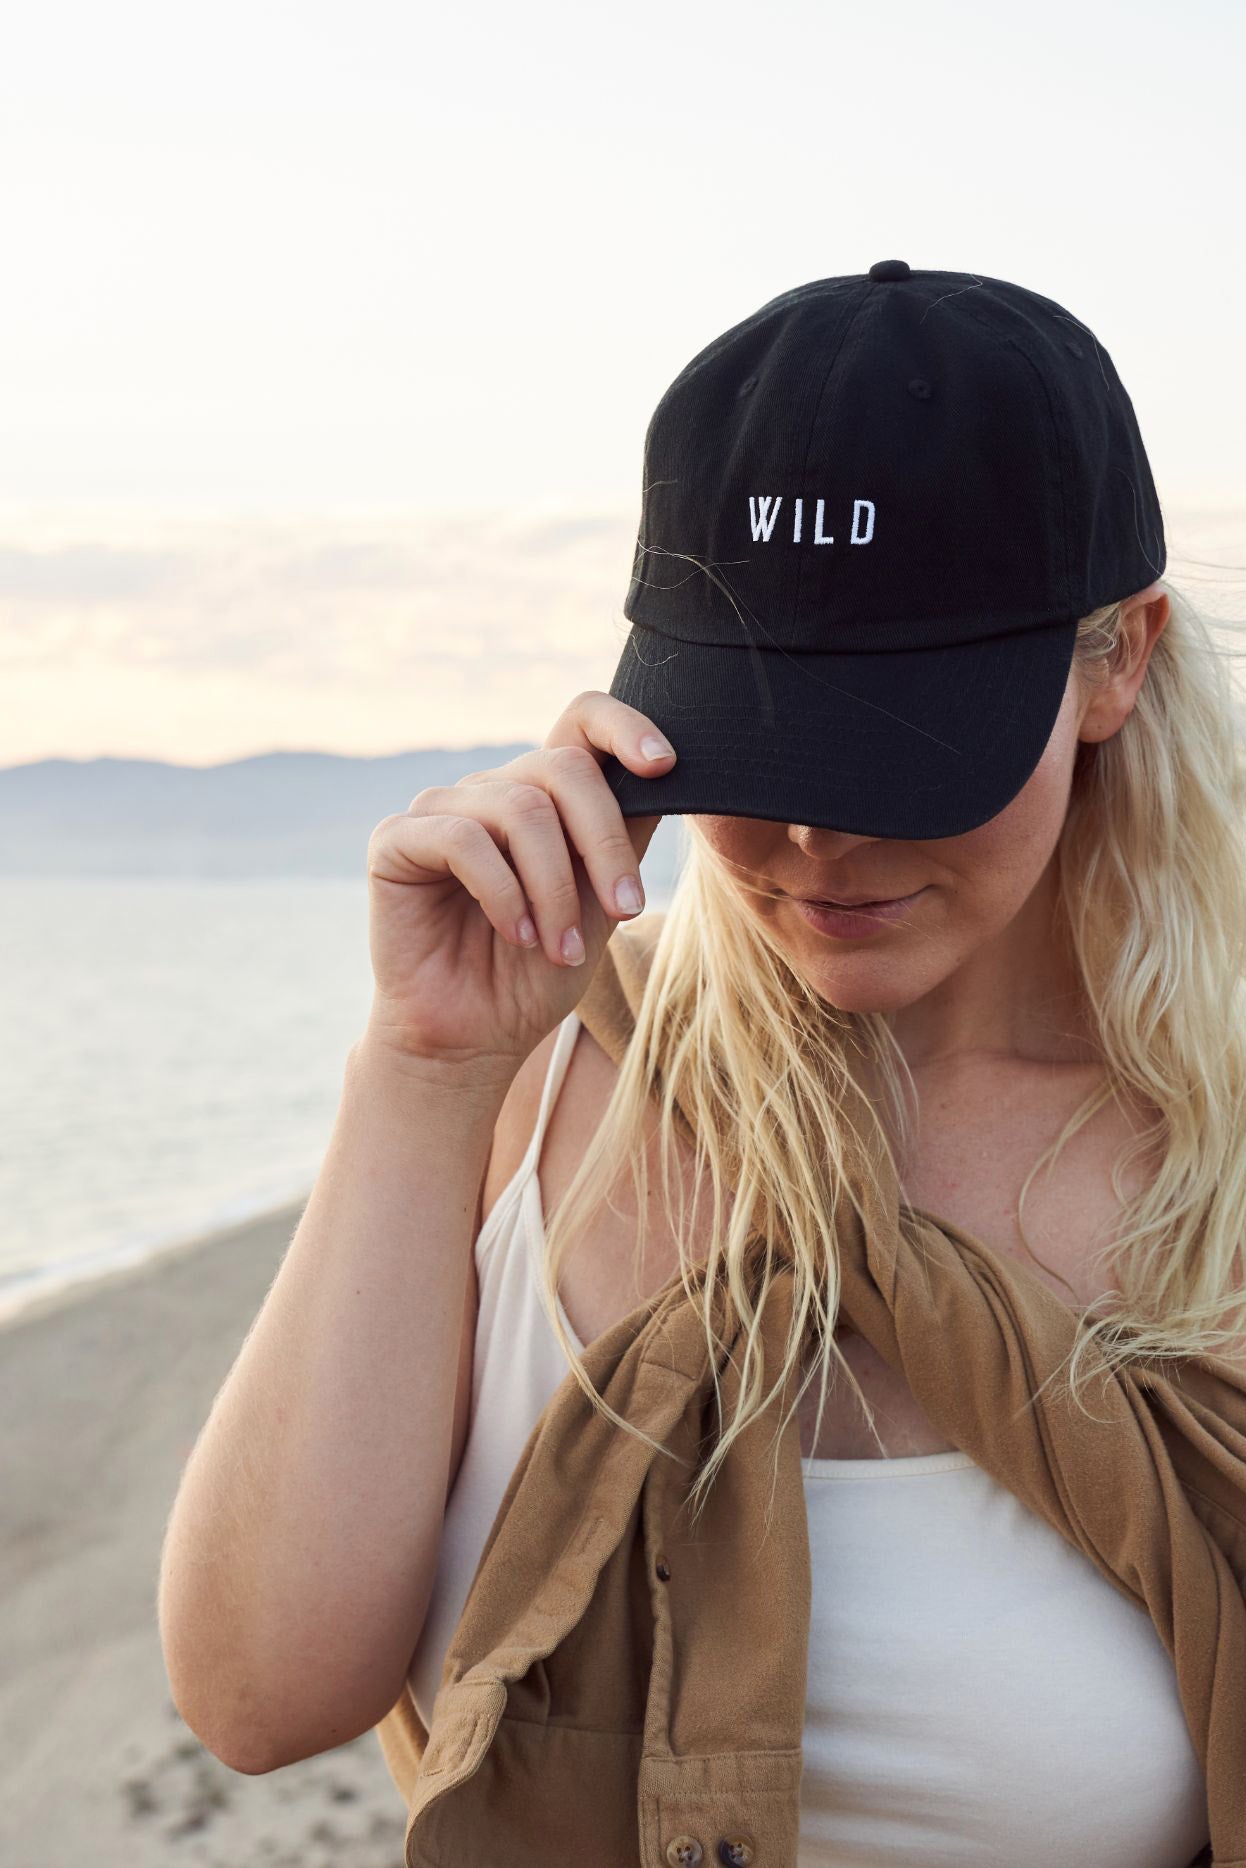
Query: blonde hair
[1152, 886]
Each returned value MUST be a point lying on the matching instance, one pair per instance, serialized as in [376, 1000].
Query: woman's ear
[1143, 618]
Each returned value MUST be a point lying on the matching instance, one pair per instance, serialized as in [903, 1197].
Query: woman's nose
[816, 840]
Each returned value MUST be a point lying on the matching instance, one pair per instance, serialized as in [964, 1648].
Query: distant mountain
[277, 814]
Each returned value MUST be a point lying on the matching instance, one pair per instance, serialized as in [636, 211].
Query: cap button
[889, 269]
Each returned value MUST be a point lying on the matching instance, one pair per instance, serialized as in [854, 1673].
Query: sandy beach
[103, 1390]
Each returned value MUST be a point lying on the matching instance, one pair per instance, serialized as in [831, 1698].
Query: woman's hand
[452, 878]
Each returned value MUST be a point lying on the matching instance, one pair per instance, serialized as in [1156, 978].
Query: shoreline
[36, 1295]
[105, 1385]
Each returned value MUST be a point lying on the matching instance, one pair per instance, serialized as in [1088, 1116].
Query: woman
[988, 705]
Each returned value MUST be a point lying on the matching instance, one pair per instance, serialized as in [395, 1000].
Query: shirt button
[684, 1852]
[735, 1851]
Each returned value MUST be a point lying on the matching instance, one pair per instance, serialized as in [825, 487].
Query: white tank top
[977, 1691]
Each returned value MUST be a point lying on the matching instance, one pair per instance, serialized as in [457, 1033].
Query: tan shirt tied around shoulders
[622, 1691]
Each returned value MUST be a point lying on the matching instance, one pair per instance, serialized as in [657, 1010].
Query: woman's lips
[866, 918]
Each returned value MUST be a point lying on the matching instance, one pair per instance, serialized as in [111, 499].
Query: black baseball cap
[872, 515]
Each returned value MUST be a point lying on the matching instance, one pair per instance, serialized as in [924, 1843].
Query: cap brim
[899, 743]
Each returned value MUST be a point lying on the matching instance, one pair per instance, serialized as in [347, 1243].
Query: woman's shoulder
[590, 1071]
[582, 1095]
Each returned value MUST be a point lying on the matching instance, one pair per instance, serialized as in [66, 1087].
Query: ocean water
[172, 1060]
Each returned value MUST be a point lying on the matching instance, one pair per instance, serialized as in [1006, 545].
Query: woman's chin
[862, 979]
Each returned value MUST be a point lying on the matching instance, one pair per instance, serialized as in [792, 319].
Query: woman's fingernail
[573, 947]
[627, 896]
[655, 748]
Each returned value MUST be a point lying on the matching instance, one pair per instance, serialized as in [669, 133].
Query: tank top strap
[505, 1215]
[559, 1058]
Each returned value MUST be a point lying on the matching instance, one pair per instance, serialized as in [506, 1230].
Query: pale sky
[330, 333]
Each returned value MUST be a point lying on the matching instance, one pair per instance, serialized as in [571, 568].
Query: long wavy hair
[1152, 888]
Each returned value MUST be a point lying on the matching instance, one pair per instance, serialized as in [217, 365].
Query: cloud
[167, 635]
[86, 574]
[321, 594]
